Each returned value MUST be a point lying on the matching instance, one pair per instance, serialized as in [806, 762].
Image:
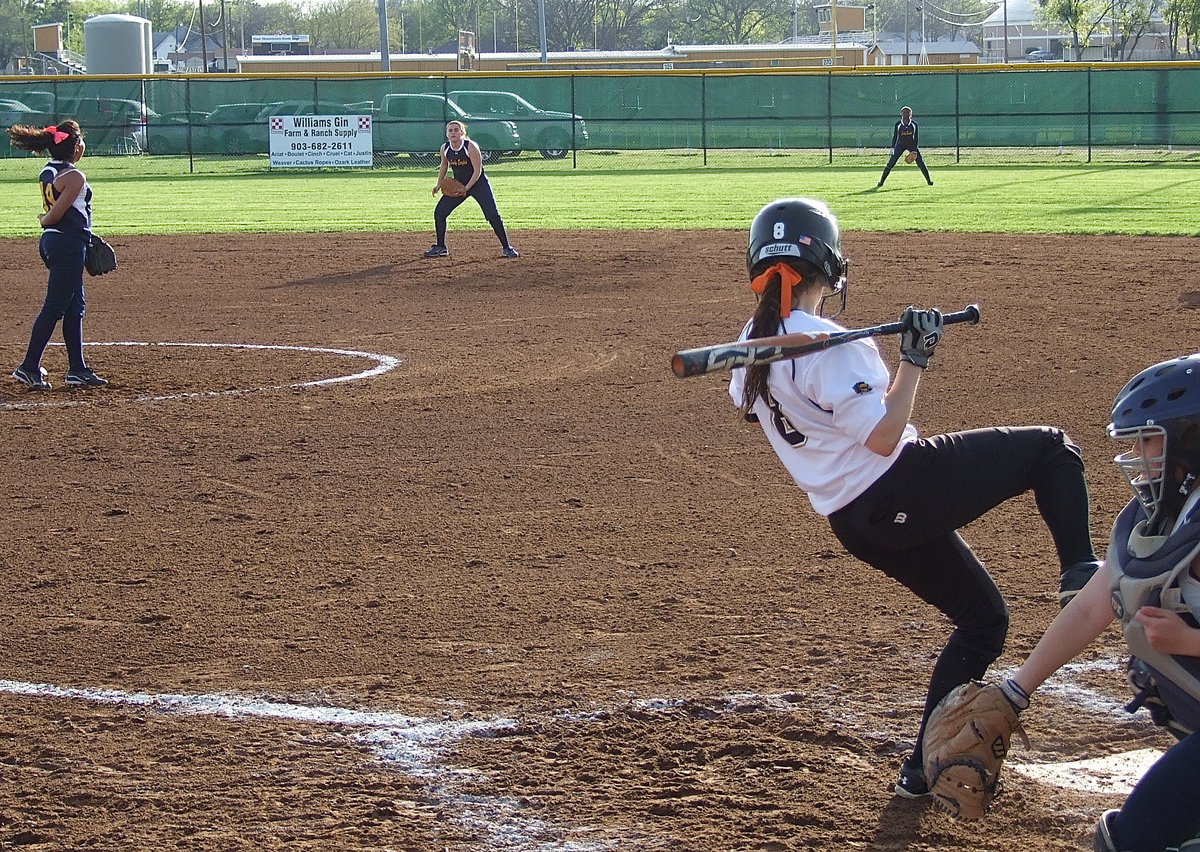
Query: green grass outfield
[1096, 198]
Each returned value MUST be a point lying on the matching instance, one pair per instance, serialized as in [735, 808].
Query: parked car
[176, 132]
[39, 100]
[304, 107]
[416, 124]
[245, 133]
[552, 133]
[118, 123]
[233, 129]
[14, 112]
[1039, 55]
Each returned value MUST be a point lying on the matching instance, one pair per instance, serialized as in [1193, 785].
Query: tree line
[423, 26]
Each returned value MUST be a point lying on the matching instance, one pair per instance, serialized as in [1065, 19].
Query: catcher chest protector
[1148, 569]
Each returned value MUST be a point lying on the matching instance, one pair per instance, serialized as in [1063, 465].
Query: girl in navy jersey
[905, 139]
[839, 422]
[66, 227]
[461, 155]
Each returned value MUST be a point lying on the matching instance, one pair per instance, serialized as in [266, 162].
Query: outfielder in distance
[839, 422]
[904, 142]
[462, 156]
[1151, 576]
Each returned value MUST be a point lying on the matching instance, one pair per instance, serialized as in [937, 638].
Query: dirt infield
[518, 587]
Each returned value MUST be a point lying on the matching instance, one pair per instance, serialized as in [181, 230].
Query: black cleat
[1073, 578]
[32, 380]
[911, 783]
[85, 377]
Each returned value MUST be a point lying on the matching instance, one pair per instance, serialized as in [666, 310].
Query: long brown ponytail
[59, 140]
[765, 323]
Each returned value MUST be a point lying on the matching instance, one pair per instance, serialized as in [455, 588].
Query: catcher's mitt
[100, 259]
[449, 186]
[910, 157]
[966, 741]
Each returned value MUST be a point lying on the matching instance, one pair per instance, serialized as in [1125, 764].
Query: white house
[1011, 32]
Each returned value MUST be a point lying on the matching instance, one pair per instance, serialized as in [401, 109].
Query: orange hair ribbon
[788, 278]
[56, 134]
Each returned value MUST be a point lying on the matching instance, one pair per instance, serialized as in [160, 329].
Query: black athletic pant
[906, 526]
[897, 153]
[481, 192]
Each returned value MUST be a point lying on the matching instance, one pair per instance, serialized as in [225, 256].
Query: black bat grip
[968, 314]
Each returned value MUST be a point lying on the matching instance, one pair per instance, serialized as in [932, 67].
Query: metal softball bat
[764, 350]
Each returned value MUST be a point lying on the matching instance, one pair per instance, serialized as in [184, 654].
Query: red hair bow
[56, 134]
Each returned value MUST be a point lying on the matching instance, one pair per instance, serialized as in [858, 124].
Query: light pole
[906, 47]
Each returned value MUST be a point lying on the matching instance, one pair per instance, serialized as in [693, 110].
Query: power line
[985, 15]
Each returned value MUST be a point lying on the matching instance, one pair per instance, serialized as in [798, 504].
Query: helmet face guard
[799, 229]
[1159, 409]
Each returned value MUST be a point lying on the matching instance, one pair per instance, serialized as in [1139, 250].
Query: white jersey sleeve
[822, 409]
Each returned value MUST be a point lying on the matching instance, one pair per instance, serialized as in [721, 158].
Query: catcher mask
[798, 229]
[1162, 401]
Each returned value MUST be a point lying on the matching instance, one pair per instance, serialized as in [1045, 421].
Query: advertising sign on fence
[320, 141]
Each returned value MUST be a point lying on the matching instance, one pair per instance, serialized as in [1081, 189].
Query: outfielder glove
[910, 157]
[99, 259]
[922, 332]
[966, 740]
[449, 186]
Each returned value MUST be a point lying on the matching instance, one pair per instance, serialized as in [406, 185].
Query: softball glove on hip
[966, 740]
[100, 259]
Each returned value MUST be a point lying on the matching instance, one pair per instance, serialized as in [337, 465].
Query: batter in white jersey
[825, 409]
[839, 422]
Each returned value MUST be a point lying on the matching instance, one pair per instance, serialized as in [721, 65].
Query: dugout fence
[575, 119]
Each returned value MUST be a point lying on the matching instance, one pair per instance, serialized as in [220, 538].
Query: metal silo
[118, 44]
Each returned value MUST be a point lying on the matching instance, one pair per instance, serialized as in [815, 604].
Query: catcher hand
[910, 157]
[922, 332]
[99, 259]
[966, 740]
[449, 186]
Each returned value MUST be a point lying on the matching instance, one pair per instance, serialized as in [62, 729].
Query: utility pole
[224, 39]
[906, 47]
[203, 38]
[385, 53]
[542, 28]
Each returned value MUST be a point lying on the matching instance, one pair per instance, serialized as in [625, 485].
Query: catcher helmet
[1163, 400]
[799, 229]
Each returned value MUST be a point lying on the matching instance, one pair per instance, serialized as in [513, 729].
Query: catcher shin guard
[966, 740]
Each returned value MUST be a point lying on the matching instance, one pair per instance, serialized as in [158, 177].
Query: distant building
[181, 50]
[809, 52]
[894, 51]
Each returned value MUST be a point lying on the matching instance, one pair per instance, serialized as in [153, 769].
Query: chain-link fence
[670, 119]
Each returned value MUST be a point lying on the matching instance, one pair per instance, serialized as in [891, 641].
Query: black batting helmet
[798, 229]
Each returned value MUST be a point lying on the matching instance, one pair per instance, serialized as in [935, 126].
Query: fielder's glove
[910, 157]
[449, 186]
[966, 740]
[99, 259]
[922, 332]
